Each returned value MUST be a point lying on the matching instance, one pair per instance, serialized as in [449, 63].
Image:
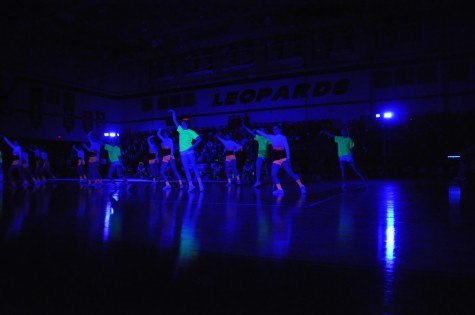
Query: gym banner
[312, 90]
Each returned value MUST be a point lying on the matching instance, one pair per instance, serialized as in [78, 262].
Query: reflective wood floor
[394, 247]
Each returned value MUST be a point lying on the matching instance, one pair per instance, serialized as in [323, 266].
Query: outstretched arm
[149, 141]
[89, 136]
[237, 147]
[262, 133]
[248, 130]
[324, 132]
[219, 138]
[159, 135]
[86, 147]
[175, 121]
[8, 142]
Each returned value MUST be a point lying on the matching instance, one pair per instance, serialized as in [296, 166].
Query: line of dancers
[20, 170]
[161, 158]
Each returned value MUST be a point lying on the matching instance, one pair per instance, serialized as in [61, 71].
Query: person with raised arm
[262, 152]
[81, 162]
[230, 148]
[94, 152]
[153, 158]
[46, 163]
[115, 158]
[168, 159]
[25, 164]
[16, 161]
[345, 154]
[188, 140]
[280, 156]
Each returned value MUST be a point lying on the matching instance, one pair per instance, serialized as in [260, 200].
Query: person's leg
[194, 166]
[163, 168]
[185, 159]
[288, 169]
[151, 171]
[236, 172]
[90, 171]
[227, 171]
[353, 166]
[343, 174]
[259, 162]
[110, 173]
[176, 173]
[274, 171]
[81, 174]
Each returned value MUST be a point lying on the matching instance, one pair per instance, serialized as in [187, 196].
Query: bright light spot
[453, 156]
[388, 115]
[378, 115]
[111, 134]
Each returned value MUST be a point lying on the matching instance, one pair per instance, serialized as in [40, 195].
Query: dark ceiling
[126, 28]
[40, 32]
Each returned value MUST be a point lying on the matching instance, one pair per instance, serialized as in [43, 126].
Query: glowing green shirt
[113, 152]
[185, 138]
[262, 144]
[344, 145]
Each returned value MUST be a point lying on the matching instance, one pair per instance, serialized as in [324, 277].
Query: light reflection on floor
[382, 239]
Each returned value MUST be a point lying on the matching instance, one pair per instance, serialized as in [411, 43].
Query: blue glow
[453, 156]
[388, 115]
[390, 236]
[378, 115]
[112, 134]
[454, 196]
[390, 246]
[107, 217]
[106, 134]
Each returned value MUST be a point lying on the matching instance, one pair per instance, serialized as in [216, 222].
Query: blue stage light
[111, 134]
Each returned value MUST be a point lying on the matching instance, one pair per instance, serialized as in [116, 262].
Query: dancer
[94, 151]
[188, 140]
[81, 163]
[16, 165]
[230, 148]
[262, 152]
[168, 158]
[153, 158]
[280, 157]
[46, 164]
[38, 171]
[25, 164]
[345, 154]
[115, 154]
